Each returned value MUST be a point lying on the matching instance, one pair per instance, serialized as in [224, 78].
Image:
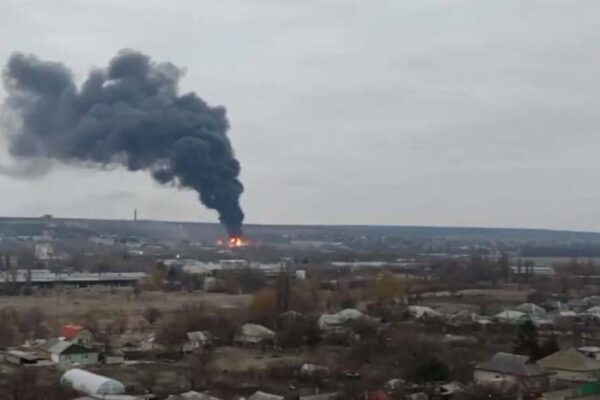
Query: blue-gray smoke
[129, 114]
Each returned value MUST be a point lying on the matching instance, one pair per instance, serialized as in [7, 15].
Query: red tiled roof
[69, 331]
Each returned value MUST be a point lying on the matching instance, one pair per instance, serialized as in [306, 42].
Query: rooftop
[512, 364]
[570, 360]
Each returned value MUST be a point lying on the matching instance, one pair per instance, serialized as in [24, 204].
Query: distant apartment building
[44, 251]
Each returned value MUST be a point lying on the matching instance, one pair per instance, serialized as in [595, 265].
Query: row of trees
[15, 326]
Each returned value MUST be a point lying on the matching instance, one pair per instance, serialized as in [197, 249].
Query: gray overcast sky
[471, 113]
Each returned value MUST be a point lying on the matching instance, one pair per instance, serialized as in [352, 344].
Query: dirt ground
[240, 359]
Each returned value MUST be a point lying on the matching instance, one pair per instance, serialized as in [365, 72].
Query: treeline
[570, 250]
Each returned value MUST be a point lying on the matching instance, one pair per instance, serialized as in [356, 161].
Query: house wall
[84, 337]
[574, 376]
[487, 377]
[82, 359]
[533, 383]
[251, 340]
[114, 359]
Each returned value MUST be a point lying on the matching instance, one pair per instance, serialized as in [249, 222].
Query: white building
[43, 251]
[67, 353]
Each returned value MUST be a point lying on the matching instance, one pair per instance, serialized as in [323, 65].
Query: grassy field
[70, 305]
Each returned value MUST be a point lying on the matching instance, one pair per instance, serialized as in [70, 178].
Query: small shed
[92, 384]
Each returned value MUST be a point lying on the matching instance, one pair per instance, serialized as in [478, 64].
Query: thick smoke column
[128, 114]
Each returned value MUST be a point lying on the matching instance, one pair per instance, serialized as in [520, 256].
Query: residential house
[337, 321]
[572, 365]
[512, 317]
[533, 310]
[78, 334]
[513, 370]
[254, 334]
[149, 343]
[68, 353]
[199, 339]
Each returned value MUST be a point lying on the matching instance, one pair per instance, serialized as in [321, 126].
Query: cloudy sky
[421, 112]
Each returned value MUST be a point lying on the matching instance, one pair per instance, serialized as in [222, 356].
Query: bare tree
[147, 378]
[198, 374]
[152, 314]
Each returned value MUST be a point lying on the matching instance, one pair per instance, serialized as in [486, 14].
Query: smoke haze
[128, 114]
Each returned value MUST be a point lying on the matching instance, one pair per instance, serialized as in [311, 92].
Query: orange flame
[237, 241]
[233, 241]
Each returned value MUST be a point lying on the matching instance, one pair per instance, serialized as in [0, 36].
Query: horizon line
[330, 225]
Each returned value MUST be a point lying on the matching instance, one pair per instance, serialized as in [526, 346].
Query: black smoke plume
[128, 114]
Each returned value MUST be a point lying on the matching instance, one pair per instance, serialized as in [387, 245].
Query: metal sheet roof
[91, 383]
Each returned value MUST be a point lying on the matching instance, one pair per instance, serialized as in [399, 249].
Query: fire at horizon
[233, 241]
